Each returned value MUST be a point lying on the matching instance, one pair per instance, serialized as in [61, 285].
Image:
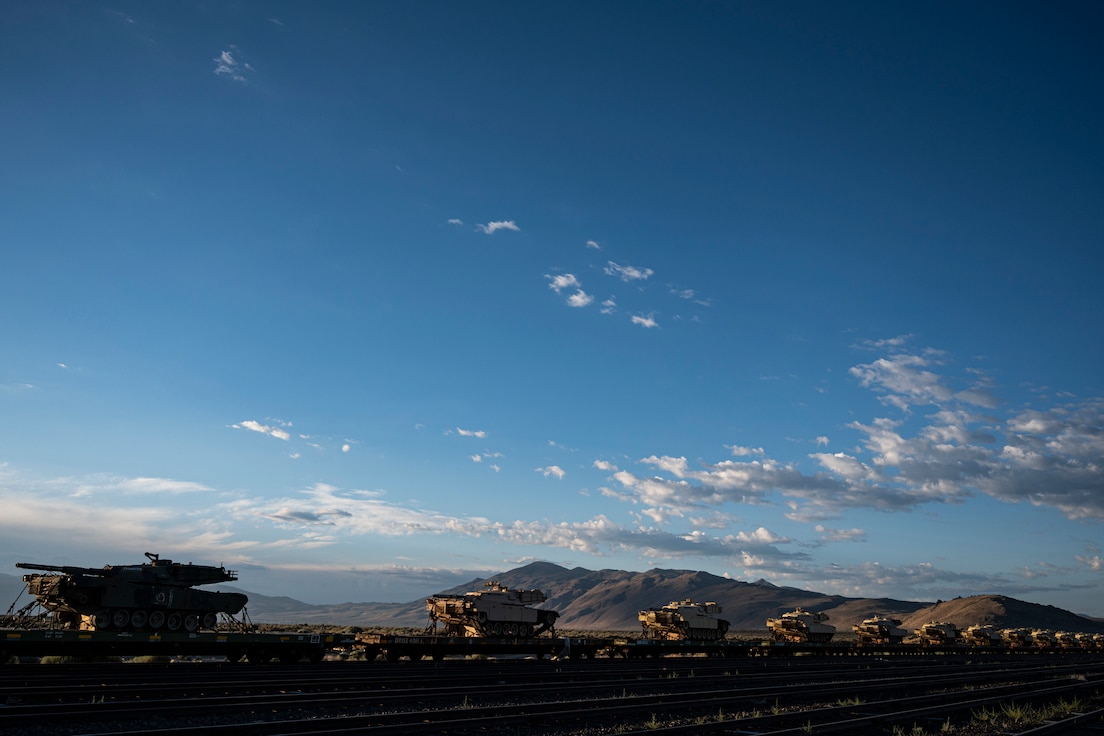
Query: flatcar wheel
[138, 618]
[174, 621]
[120, 618]
[101, 620]
[210, 620]
[191, 622]
[496, 629]
[513, 630]
[156, 619]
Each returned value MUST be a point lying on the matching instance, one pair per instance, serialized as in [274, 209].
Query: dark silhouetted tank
[495, 611]
[159, 594]
[681, 620]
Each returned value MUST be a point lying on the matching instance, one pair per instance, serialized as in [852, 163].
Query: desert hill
[1003, 613]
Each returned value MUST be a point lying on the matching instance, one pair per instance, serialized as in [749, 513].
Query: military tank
[880, 630]
[159, 594]
[1017, 638]
[938, 634]
[681, 620]
[495, 611]
[801, 626]
[982, 635]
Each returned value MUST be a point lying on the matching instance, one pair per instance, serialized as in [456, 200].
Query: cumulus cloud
[644, 320]
[1045, 457]
[492, 227]
[552, 471]
[562, 281]
[594, 244]
[471, 432]
[628, 273]
[579, 299]
[455, 221]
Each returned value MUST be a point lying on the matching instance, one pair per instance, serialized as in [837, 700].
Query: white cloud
[455, 221]
[628, 273]
[579, 299]
[228, 65]
[552, 471]
[594, 244]
[644, 321]
[345, 448]
[255, 426]
[562, 281]
[609, 306]
[491, 227]
[471, 432]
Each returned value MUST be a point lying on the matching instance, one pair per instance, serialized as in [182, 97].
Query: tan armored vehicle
[681, 620]
[937, 634]
[1042, 638]
[880, 630]
[801, 626]
[1016, 638]
[981, 635]
[495, 611]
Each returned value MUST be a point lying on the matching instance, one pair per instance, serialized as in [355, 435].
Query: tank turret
[151, 595]
[938, 634]
[801, 626]
[880, 630]
[680, 620]
[495, 611]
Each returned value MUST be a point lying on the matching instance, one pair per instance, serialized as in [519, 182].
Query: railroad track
[527, 697]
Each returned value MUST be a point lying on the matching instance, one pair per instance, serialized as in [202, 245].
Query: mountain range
[609, 600]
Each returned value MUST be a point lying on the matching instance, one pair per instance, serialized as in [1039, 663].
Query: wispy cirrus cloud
[271, 431]
[229, 64]
[628, 273]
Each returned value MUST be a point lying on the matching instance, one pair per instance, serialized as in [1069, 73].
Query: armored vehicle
[151, 595]
[982, 635]
[937, 634]
[495, 611]
[880, 630]
[681, 620]
[801, 626]
[1016, 638]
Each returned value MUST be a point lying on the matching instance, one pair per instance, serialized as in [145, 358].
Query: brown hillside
[1004, 613]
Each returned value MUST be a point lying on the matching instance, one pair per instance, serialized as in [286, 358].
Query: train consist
[149, 596]
[153, 608]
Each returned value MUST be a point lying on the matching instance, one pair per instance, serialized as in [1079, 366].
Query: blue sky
[367, 299]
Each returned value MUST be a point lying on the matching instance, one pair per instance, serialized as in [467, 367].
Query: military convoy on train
[158, 605]
[149, 596]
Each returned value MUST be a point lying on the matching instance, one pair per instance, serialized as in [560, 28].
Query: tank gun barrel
[66, 569]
